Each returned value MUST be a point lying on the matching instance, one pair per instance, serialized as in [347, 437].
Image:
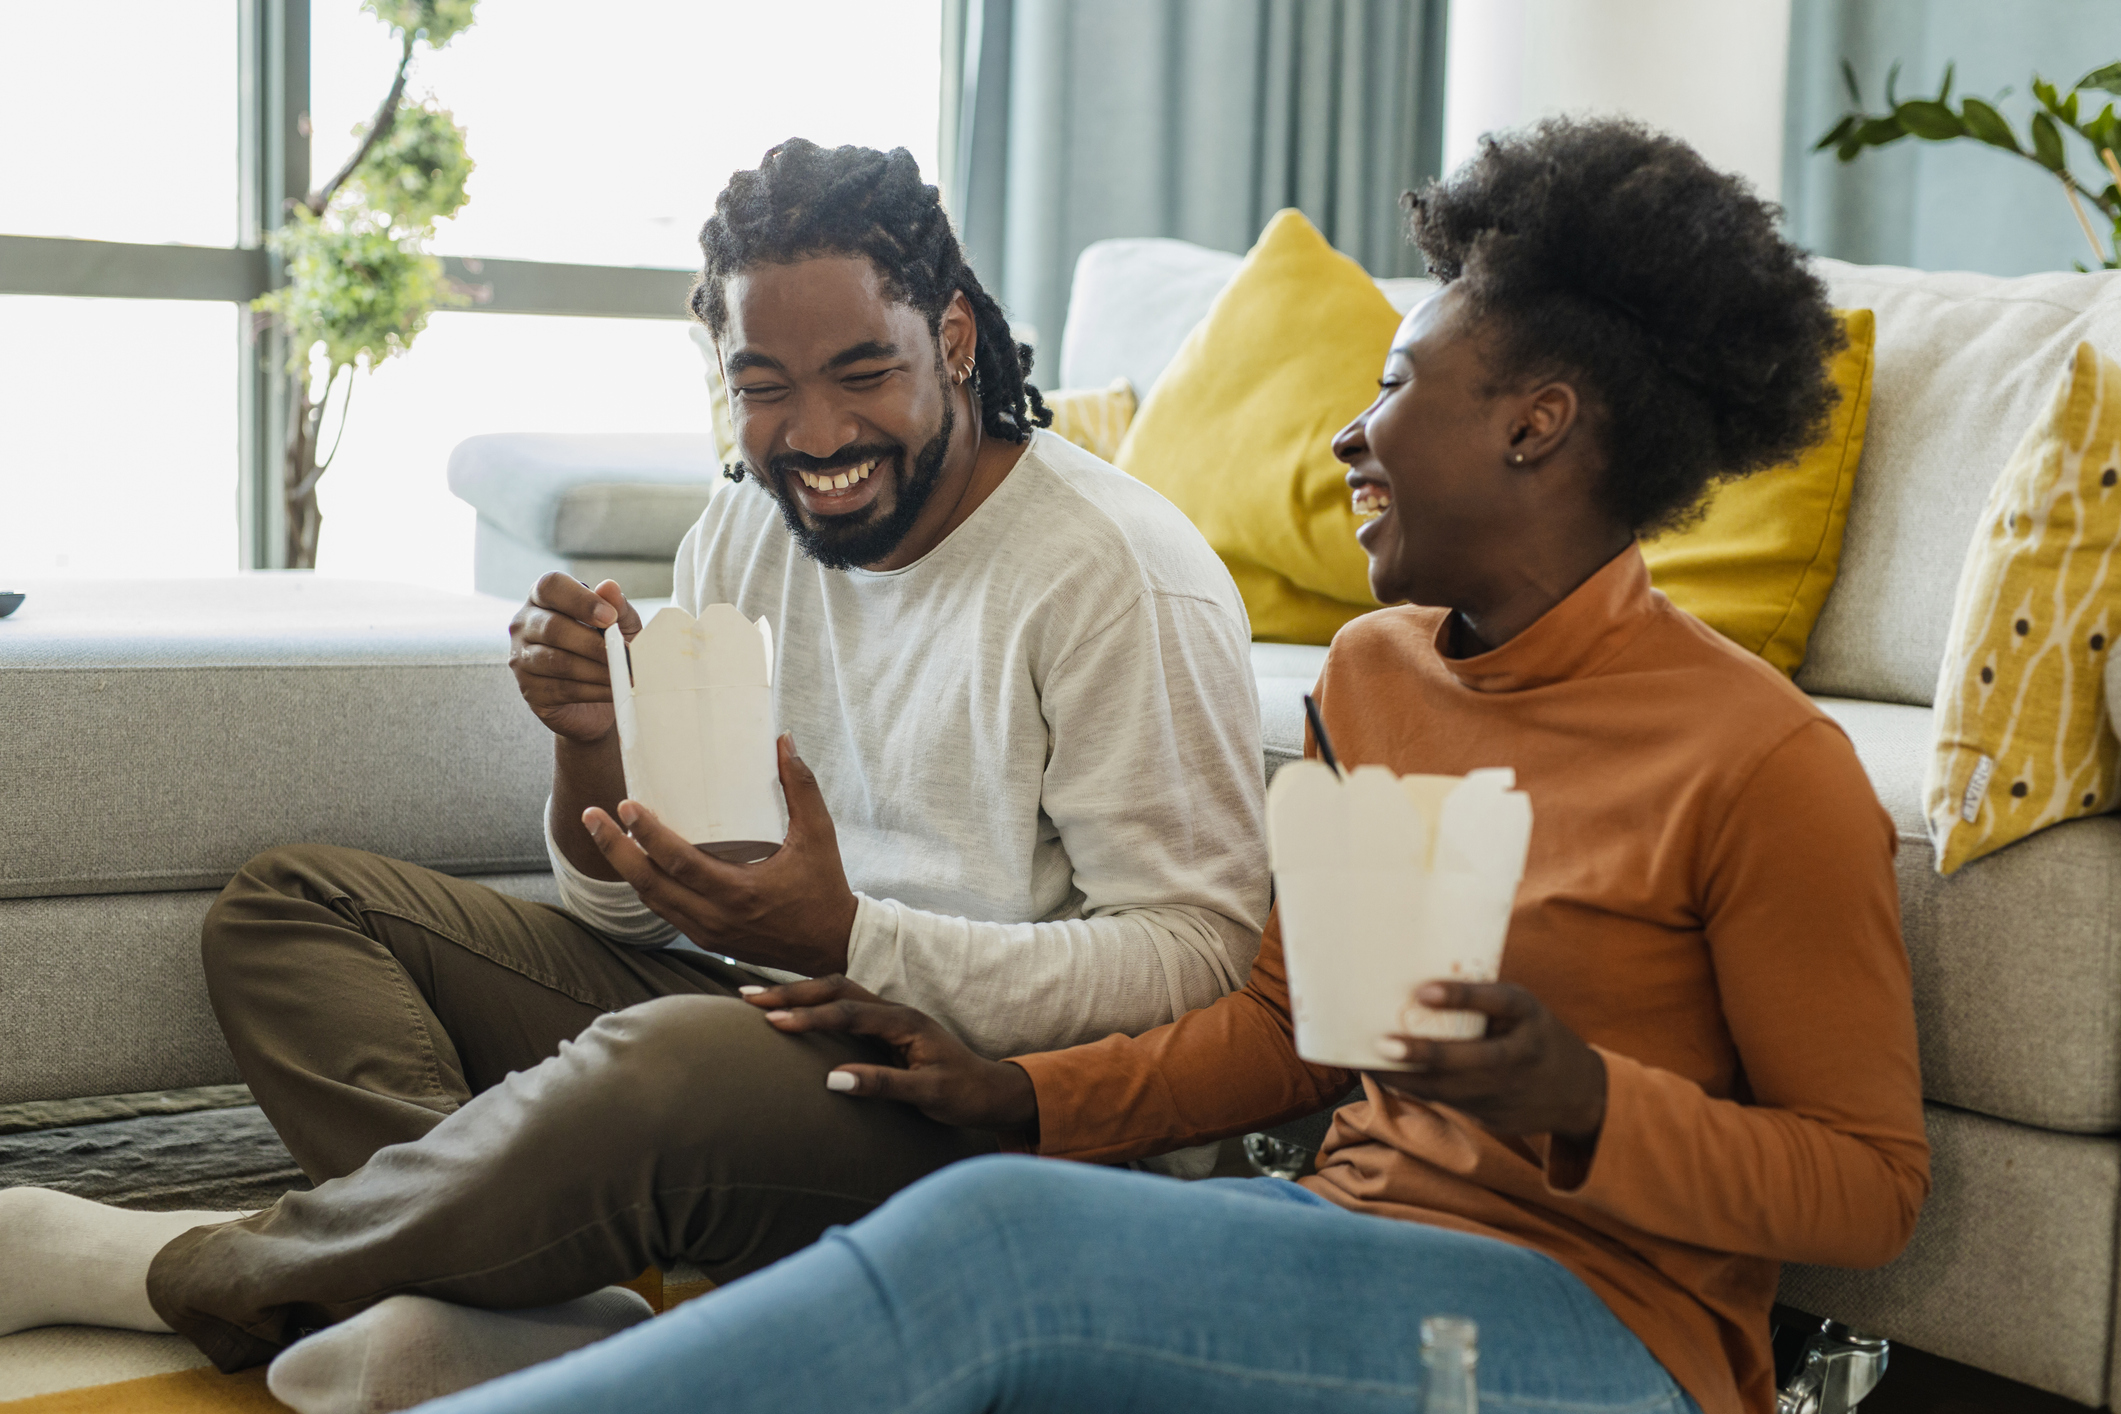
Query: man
[1032, 809]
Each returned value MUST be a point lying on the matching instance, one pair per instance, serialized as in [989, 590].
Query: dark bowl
[9, 603]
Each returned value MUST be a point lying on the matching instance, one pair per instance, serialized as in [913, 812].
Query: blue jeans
[1017, 1284]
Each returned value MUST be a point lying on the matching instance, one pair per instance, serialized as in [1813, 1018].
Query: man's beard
[847, 542]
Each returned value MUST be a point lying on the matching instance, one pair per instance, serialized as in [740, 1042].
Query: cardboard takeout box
[1385, 882]
[694, 700]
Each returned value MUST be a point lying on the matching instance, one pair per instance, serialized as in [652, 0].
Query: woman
[1700, 1061]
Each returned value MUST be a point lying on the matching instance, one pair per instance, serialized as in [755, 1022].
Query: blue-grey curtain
[1077, 120]
[1937, 206]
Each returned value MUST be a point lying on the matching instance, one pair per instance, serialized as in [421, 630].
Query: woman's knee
[1003, 1198]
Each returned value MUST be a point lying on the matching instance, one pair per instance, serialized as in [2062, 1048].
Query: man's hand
[938, 1075]
[792, 910]
[556, 651]
[1529, 1075]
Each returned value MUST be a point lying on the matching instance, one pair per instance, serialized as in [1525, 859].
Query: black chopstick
[1318, 734]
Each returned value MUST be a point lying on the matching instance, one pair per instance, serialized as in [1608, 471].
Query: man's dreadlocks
[805, 201]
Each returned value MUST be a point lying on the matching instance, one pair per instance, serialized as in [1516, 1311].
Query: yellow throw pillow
[2022, 737]
[1238, 431]
[1095, 419]
[1758, 566]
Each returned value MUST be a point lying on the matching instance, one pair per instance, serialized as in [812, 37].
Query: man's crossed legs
[504, 1109]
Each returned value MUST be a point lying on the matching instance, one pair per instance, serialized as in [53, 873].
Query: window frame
[273, 169]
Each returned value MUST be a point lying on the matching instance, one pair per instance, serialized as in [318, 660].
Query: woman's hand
[939, 1075]
[1529, 1075]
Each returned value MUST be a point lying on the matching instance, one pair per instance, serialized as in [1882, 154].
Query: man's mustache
[787, 464]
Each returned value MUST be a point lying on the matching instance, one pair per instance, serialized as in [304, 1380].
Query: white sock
[409, 1349]
[70, 1262]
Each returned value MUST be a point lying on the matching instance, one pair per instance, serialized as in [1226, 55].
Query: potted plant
[360, 282]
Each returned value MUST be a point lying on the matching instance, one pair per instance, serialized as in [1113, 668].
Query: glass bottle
[1450, 1348]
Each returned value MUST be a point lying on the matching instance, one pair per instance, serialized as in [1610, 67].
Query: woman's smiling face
[1426, 461]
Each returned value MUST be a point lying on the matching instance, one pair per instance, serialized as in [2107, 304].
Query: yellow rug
[202, 1391]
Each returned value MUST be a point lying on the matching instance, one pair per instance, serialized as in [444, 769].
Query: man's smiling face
[841, 402]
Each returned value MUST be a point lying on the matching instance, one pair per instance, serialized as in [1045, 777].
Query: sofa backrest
[1964, 364]
[1137, 298]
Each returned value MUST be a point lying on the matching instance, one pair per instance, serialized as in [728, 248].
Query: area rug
[204, 1391]
[209, 1148]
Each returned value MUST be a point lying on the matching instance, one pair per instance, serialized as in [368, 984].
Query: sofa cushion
[1758, 565]
[1964, 365]
[1095, 419]
[105, 995]
[509, 568]
[1238, 431]
[2011, 1268]
[162, 732]
[2016, 958]
[611, 495]
[1286, 671]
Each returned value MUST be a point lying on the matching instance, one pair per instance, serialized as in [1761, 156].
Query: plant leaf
[1944, 95]
[1839, 131]
[1929, 120]
[2106, 78]
[1892, 79]
[1985, 123]
[1877, 132]
[2044, 93]
[2047, 143]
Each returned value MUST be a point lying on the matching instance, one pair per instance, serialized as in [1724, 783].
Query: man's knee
[710, 1071]
[673, 1051]
[270, 889]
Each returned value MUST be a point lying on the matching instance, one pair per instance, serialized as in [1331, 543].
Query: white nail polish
[1392, 1048]
[839, 1080]
[749, 991]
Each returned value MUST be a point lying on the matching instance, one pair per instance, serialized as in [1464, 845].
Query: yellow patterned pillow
[2022, 737]
[1095, 419]
[1757, 567]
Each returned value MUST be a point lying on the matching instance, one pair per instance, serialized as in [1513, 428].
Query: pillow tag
[1976, 788]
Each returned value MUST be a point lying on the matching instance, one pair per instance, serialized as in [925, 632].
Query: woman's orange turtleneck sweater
[1709, 901]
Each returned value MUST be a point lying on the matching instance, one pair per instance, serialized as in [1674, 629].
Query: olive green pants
[503, 1108]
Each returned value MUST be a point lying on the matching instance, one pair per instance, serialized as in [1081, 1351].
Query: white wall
[1709, 71]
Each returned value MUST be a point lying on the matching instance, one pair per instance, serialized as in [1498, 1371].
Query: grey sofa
[159, 734]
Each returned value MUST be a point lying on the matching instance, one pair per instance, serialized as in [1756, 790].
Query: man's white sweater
[1039, 744]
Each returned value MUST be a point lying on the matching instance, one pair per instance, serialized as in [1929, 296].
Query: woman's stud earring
[1517, 459]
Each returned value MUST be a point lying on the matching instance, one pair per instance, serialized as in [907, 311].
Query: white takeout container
[694, 700]
[1385, 882]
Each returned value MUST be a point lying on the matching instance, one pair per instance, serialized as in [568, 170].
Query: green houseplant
[1934, 119]
[360, 282]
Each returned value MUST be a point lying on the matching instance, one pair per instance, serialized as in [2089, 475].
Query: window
[132, 435]
[127, 133]
[119, 427]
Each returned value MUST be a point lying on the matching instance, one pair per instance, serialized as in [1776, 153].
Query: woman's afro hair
[804, 200]
[1599, 252]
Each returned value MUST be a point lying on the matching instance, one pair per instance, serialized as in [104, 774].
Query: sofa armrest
[600, 495]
